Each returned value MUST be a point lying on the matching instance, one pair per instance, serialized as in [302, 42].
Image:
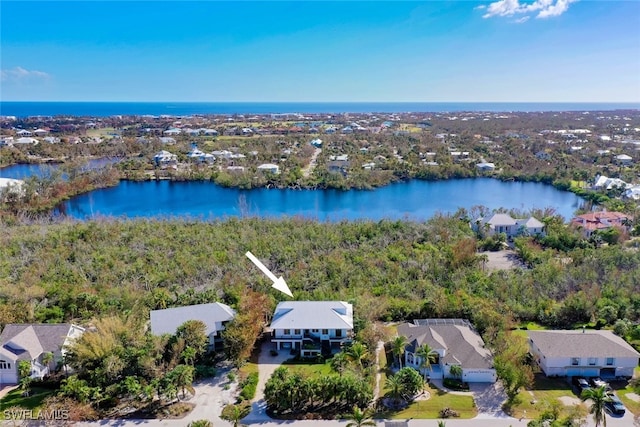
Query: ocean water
[104, 109]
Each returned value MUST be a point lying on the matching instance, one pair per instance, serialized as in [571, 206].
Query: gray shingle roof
[313, 315]
[462, 344]
[576, 343]
[34, 339]
[168, 320]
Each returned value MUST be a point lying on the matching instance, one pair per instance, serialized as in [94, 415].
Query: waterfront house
[594, 221]
[504, 223]
[165, 159]
[312, 326]
[484, 166]
[455, 342]
[586, 353]
[214, 315]
[269, 168]
[606, 183]
[200, 156]
[33, 343]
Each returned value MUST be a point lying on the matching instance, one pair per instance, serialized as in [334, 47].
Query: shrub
[448, 412]
[204, 371]
[455, 384]
[249, 386]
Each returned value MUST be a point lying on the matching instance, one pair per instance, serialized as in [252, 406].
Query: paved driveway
[267, 364]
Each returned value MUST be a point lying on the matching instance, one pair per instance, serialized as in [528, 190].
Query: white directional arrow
[278, 283]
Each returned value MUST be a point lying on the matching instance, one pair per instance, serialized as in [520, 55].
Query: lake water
[23, 171]
[415, 200]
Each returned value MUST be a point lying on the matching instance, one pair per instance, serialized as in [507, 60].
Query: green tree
[182, 377]
[411, 382]
[235, 413]
[24, 374]
[427, 357]
[200, 423]
[360, 418]
[194, 334]
[47, 358]
[598, 397]
[339, 362]
[456, 371]
[398, 345]
[358, 354]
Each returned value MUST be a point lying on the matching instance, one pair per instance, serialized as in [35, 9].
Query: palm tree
[456, 371]
[360, 418]
[358, 353]
[599, 398]
[398, 345]
[427, 356]
[47, 358]
[234, 413]
[395, 387]
[339, 362]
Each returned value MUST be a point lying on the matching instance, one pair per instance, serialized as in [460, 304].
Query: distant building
[270, 168]
[594, 221]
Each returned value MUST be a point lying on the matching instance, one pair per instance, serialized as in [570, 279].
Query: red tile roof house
[594, 221]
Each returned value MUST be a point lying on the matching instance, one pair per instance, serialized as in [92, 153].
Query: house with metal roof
[504, 223]
[33, 342]
[312, 326]
[214, 315]
[585, 353]
[456, 343]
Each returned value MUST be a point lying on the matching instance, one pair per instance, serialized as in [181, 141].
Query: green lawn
[544, 393]
[623, 389]
[430, 409]
[310, 370]
[14, 399]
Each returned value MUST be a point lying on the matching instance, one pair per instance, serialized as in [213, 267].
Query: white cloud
[20, 74]
[545, 8]
[480, 7]
[522, 20]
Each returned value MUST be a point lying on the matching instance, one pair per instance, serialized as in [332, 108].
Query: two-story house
[312, 326]
[214, 315]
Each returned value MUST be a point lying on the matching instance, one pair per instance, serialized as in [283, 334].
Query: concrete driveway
[267, 364]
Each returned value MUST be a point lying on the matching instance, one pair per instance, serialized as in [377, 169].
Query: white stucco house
[586, 353]
[312, 326]
[270, 168]
[214, 315]
[165, 159]
[456, 343]
[504, 223]
[32, 342]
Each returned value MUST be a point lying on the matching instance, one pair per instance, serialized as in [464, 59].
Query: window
[575, 361]
[315, 330]
[287, 331]
[410, 358]
[338, 333]
[4, 364]
[296, 332]
[609, 361]
[592, 361]
[325, 332]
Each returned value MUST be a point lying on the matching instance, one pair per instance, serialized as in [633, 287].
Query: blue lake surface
[23, 171]
[414, 200]
[102, 109]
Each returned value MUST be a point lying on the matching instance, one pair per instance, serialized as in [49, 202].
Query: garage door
[479, 375]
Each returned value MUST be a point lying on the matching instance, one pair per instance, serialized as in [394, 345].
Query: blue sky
[435, 51]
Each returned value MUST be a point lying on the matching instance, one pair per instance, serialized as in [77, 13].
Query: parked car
[615, 405]
[581, 384]
[598, 382]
